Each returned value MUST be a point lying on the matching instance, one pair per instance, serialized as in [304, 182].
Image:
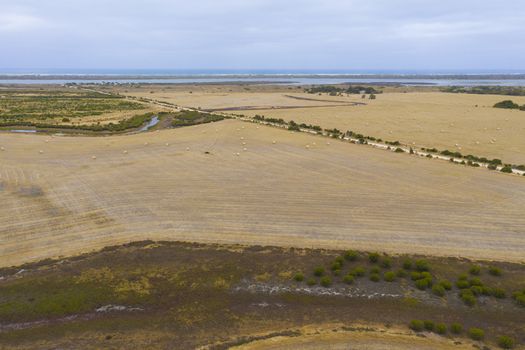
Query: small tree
[311, 281]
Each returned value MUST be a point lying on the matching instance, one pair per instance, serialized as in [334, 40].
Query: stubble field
[423, 117]
[65, 195]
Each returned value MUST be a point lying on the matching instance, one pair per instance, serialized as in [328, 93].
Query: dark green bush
[475, 270]
[468, 297]
[423, 284]
[475, 281]
[359, 271]
[335, 266]
[456, 328]
[389, 276]
[299, 277]
[438, 290]
[422, 265]
[373, 257]
[476, 290]
[462, 284]
[429, 325]
[505, 342]
[326, 281]
[498, 293]
[375, 277]
[416, 325]
[340, 260]
[401, 273]
[519, 297]
[506, 169]
[494, 271]
[348, 279]
[407, 264]
[476, 333]
[351, 255]
[441, 328]
[375, 270]
[311, 281]
[507, 104]
[386, 262]
[446, 284]
[415, 276]
[319, 271]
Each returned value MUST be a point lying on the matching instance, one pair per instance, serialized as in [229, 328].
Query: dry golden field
[385, 339]
[425, 117]
[65, 195]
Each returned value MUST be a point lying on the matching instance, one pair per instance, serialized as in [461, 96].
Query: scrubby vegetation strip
[394, 146]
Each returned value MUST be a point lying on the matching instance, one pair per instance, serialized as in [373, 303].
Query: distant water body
[297, 77]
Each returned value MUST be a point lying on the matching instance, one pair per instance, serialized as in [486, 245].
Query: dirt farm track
[66, 195]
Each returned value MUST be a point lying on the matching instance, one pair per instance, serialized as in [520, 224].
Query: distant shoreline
[35, 76]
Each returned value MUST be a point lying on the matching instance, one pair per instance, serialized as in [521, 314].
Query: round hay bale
[274, 142]
[40, 151]
[93, 157]
[245, 149]
[125, 152]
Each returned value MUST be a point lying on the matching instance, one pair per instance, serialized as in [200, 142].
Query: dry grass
[323, 337]
[428, 119]
[62, 201]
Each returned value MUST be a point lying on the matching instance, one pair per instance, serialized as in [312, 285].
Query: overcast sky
[263, 34]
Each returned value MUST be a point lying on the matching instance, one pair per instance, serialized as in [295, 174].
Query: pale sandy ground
[428, 119]
[62, 202]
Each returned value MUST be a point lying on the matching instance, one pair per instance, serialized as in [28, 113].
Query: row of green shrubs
[474, 333]
[470, 159]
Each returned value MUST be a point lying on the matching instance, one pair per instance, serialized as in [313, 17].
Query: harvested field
[74, 194]
[428, 119]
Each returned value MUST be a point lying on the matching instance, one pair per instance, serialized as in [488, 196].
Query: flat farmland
[65, 195]
[423, 117]
[436, 119]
